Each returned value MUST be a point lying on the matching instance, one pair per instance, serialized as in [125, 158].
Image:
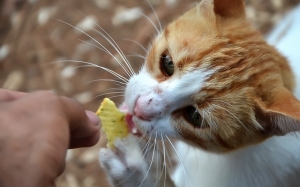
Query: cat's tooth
[134, 130]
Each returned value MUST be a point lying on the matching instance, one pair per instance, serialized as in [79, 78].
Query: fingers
[85, 142]
[83, 124]
[8, 95]
[94, 119]
[46, 125]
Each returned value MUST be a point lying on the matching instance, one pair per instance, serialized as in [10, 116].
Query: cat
[211, 81]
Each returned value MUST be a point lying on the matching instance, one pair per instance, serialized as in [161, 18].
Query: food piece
[113, 121]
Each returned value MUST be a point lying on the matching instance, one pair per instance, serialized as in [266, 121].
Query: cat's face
[208, 79]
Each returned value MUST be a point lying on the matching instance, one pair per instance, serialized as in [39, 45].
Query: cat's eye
[193, 116]
[166, 64]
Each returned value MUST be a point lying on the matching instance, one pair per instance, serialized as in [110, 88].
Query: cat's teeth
[134, 130]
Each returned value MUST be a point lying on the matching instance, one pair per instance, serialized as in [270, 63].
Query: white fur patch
[159, 99]
[273, 163]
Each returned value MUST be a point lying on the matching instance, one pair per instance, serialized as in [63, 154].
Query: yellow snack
[113, 121]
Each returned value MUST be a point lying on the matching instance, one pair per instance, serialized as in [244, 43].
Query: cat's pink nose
[140, 112]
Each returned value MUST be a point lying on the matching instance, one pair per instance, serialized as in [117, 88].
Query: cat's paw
[133, 163]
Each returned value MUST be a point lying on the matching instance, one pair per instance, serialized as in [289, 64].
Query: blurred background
[37, 38]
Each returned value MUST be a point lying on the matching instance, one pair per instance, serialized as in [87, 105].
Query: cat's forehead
[189, 35]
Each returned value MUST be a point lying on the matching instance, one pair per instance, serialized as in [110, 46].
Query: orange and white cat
[213, 82]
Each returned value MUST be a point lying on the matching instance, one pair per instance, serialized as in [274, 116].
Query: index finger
[83, 125]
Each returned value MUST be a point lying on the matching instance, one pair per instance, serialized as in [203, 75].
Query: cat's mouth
[132, 127]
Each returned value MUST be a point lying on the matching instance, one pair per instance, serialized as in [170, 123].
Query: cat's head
[210, 79]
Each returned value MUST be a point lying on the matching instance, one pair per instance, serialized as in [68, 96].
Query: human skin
[36, 129]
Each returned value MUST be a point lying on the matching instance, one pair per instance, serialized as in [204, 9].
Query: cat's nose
[141, 112]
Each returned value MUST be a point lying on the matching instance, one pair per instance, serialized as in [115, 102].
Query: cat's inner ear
[230, 8]
[280, 115]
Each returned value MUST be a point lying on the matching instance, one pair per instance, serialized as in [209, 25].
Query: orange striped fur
[248, 98]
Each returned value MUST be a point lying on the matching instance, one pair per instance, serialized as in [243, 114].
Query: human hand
[36, 131]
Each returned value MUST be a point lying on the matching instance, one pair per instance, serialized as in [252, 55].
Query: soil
[40, 48]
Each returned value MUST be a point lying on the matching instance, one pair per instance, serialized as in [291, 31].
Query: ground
[38, 37]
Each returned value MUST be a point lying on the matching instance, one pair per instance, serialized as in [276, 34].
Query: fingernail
[94, 119]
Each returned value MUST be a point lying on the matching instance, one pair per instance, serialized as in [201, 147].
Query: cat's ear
[230, 8]
[281, 114]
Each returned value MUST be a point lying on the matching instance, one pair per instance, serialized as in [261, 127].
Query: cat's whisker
[147, 144]
[221, 101]
[116, 89]
[164, 159]
[129, 74]
[142, 138]
[152, 23]
[137, 55]
[156, 16]
[206, 116]
[116, 96]
[150, 162]
[119, 92]
[82, 66]
[165, 164]
[112, 42]
[163, 170]
[233, 116]
[125, 80]
[108, 80]
[180, 160]
[160, 175]
[82, 32]
[212, 123]
[203, 117]
[117, 48]
[157, 164]
[139, 44]
[145, 149]
[168, 159]
[103, 48]
[114, 92]
[109, 93]
[88, 64]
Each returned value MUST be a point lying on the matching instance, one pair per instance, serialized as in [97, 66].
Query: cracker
[113, 121]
